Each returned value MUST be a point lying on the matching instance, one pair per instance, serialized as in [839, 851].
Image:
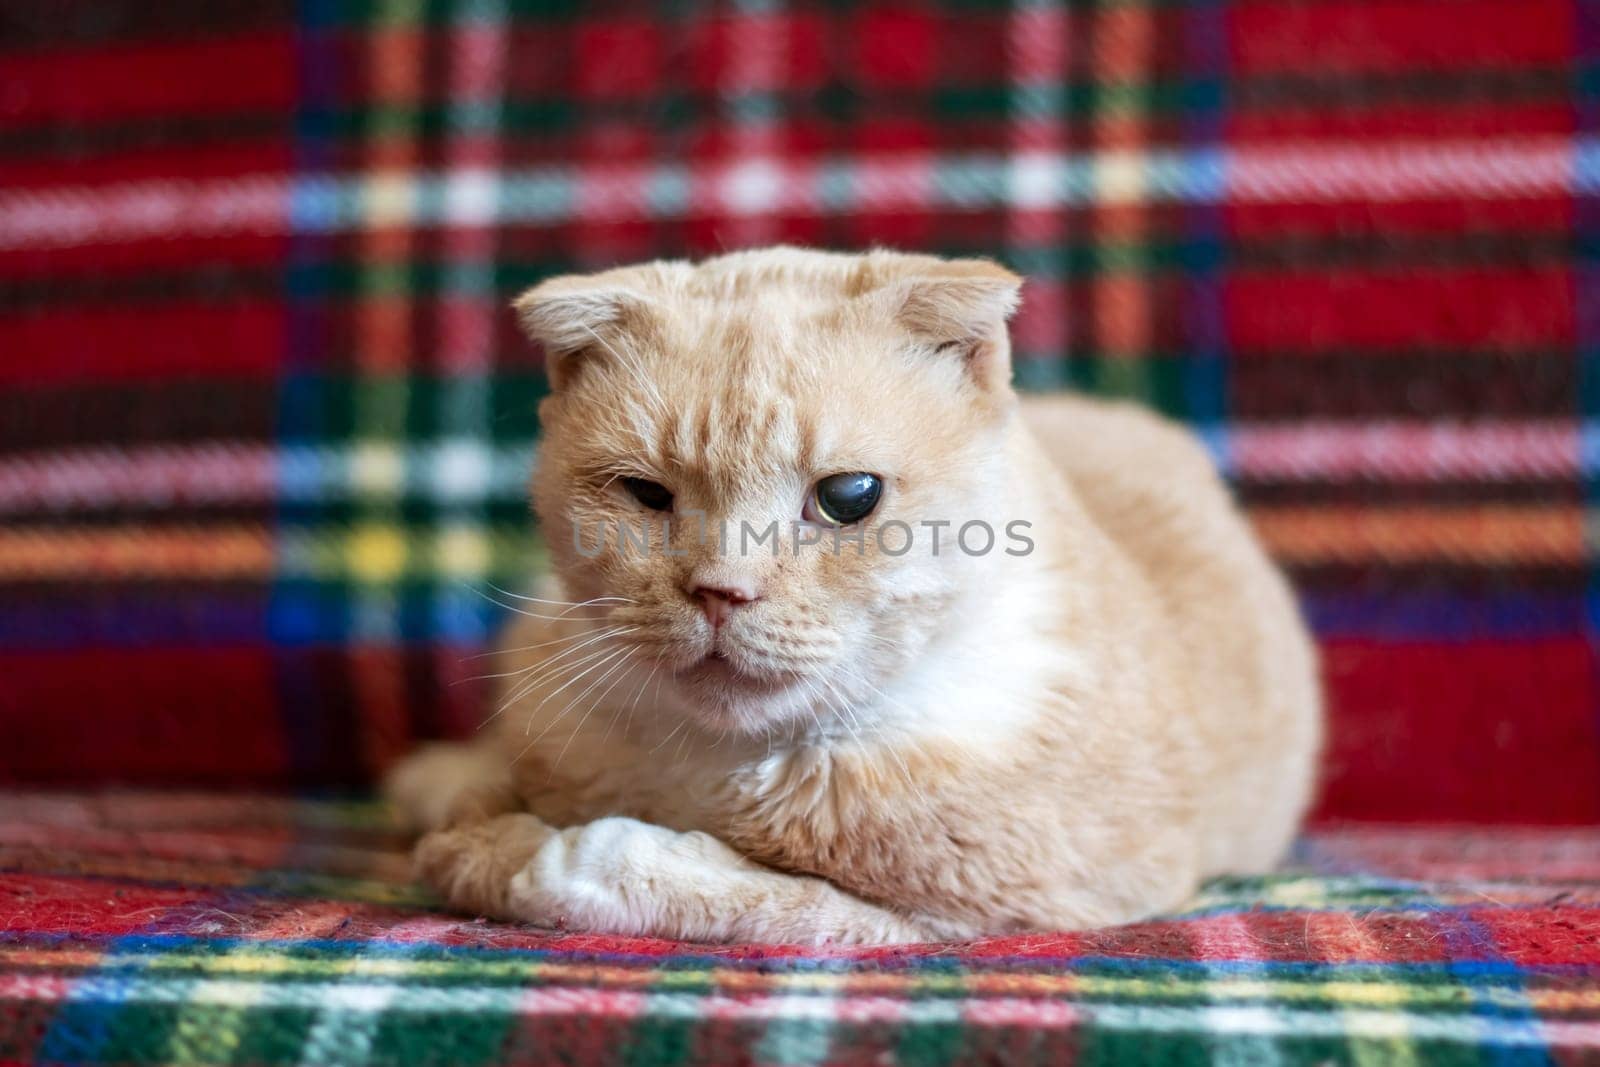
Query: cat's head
[757, 402]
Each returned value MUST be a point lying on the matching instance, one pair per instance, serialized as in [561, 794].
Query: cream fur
[900, 748]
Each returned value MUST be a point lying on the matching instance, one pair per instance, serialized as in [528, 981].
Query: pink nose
[718, 601]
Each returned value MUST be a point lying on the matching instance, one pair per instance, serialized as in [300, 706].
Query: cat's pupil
[848, 498]
[652, 495]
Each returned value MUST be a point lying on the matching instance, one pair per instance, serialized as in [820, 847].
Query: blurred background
[265, 420]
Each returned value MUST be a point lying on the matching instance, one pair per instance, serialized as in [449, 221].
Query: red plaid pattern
[263, 415]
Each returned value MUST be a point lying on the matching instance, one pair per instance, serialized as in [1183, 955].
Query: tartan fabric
[264, 426]
[207, 929]
[264, 419]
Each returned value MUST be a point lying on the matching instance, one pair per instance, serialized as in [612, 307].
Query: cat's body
[885, 747]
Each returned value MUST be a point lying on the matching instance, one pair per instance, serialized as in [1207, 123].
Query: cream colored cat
[868, 740]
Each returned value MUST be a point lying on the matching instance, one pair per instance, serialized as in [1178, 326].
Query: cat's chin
[727, 696]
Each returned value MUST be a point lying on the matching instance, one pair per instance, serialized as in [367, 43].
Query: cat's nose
[718, 600]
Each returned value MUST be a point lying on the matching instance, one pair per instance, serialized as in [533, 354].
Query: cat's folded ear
[574, 316]
[961, 306]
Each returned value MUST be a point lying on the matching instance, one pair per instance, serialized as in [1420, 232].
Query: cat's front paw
[619, 876]
[472, 868]
[614, 875]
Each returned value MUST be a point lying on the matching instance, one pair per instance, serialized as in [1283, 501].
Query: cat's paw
[472, 867]
[621, 876]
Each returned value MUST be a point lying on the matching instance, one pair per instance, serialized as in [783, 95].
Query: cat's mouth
[731, 684]
[714, 667]
[723, 671]
[718, 665]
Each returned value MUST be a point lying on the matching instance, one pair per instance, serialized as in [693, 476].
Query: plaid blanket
[139, 928]
[264, 426]
[264, 418]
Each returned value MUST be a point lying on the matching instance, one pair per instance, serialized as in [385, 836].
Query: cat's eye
[652, 495]
[842, 499]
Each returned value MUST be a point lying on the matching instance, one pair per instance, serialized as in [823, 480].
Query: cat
[846, 733]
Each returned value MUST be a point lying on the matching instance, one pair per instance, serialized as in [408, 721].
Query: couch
[265, 424]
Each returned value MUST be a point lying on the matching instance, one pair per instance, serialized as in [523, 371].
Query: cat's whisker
[613, 631]
[611, 724]
[527, 685]
[882, 640]
[816, 720]
[555, 666]
[590, 637]
[610, 655]
[548, 673]
[797, 665]
[527, 648]
[626, 661]
[845, 707]
[655, 695]
[561, 603]
[527, 688]
[478, 591]
[564, 617]
[842, 714]
[570, 610]
[617, 714]
[636, 697]
[814, 690]
[599, 700]
[681, 724]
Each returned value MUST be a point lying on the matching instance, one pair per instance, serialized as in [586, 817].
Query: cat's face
[697, 410]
